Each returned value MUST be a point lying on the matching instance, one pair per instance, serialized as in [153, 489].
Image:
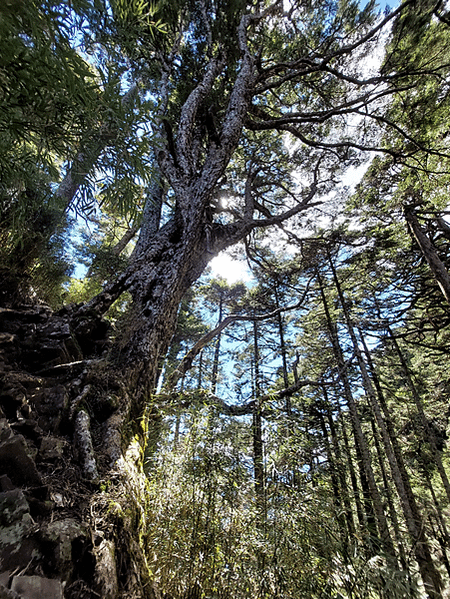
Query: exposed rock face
[58, 535]
[36, 587]
[45, 547]
[16, 462]
[16, 533]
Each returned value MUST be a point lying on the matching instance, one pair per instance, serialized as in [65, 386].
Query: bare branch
[276, 219]
[320, 116]
[305, 66]
[240, 410]
[186, 362]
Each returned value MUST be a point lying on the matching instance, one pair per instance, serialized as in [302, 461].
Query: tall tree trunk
[338, 491]
[200, 371]
[351, 468]
[258, 449]
[216, 359]
[430, 574]
[389, 498]
[442, 535]
[283, 351]
[427, 433]
[360, 439]
[340, 469]
[437, 267]
[413, 517]
[157, 280]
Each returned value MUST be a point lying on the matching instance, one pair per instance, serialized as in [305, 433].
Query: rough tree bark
[116, 387]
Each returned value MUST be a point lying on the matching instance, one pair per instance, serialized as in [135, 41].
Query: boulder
[60, 535]
[39, 502]
[6, 593]
[5, 483]
[52, 449]
[5, 430]
[17, 545]
[51, 404]
[13, 506]
[17, 464]
[36, 587]
[29, 428]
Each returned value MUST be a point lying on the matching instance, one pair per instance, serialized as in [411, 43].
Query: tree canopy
[281, 438]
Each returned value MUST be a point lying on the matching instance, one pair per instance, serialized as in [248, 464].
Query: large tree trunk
[116, 388]
[86, 402]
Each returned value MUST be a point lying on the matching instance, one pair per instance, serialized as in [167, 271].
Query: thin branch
[325, 60]
[186, 362]
[320, 116]
[125, 240]
[245, 409]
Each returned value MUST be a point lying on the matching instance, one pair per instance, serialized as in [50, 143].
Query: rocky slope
[48, 541]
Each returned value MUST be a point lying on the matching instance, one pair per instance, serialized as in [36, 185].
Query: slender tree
[430, 574]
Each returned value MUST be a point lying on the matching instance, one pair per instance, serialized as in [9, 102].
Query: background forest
[293, 425]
